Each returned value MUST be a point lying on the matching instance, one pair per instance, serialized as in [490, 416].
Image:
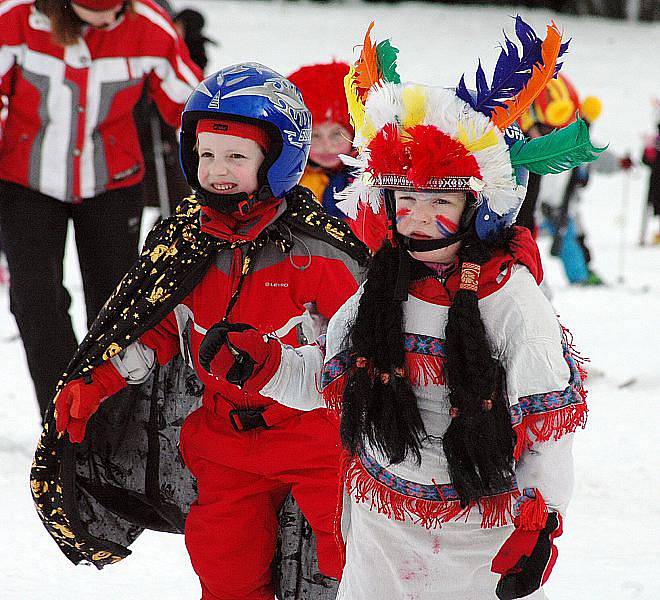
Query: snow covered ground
[610, 547]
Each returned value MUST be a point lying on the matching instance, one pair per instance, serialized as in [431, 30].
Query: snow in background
[610, 546]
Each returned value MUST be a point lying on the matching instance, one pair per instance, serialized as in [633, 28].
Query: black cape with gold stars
[95, 498]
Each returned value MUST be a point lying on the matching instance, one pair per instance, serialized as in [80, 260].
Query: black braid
[384, 414]
[479, 443]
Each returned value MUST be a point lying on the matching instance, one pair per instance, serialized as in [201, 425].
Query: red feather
[435, 154]
[388, 152]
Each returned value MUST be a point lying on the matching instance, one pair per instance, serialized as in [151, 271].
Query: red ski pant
[243, 479]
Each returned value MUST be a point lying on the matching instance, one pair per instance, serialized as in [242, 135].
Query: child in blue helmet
[454, 384]
[249, 247]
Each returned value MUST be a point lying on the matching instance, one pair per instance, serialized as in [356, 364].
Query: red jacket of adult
[273, 297]
[69, 131]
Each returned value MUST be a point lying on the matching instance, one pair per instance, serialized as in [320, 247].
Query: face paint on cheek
[445, 226]
[401, 214]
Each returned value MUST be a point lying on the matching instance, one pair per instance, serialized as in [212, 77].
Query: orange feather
[502, 117]
[366, 67]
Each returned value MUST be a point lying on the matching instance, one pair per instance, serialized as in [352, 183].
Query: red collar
[237, 230]
[494, 274]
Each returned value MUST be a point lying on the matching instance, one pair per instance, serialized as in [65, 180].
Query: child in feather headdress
[456, 388]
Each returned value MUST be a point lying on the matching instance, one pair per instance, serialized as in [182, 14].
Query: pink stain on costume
[402, 213]
[436, 544]
[445, 226]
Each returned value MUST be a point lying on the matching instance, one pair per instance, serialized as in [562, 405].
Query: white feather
[384, 105]
[347, 201]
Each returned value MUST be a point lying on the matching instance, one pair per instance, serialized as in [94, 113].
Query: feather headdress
[417, 137]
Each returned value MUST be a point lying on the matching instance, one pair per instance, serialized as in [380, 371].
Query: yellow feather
[356, 109]
[470, 140]
[414, 105]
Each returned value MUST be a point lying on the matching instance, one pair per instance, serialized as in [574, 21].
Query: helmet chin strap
[415, 245]
[230, 204]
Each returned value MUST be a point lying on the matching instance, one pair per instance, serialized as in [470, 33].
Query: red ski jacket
[69, 131]
[274, 295]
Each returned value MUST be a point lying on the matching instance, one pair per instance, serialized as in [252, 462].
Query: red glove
[79, 400]
[526, 559]
[239, 354]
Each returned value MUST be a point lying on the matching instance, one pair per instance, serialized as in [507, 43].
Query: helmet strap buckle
[243, 207]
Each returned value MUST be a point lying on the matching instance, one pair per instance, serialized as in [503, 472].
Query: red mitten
[526, 559]
[239, 354]
[80, 399]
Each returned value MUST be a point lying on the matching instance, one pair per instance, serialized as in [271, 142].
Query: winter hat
[98, 5]
[322, 87]
[558, 104]
[237, 129]
[424, 138]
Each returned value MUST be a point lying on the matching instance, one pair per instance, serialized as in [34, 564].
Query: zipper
[234, 269]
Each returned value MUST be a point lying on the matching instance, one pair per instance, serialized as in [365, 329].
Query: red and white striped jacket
[70, 131]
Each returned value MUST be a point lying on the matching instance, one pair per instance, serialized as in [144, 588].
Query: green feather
[561, 150]
[386, 54]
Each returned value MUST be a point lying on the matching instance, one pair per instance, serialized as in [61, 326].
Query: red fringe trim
[339, 510]
[423, 369]
[533, 513]
[543, 427]
[495, 510]
[555, 424]
[333, 394]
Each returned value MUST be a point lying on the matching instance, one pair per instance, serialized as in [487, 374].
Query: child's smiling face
[228, 164]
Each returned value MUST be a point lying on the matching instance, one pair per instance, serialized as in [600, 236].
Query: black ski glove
[216, 337]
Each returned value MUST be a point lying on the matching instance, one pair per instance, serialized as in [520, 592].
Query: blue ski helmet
[252, 93]
[489, 225]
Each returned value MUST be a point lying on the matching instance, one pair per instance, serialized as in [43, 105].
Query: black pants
[34, 229]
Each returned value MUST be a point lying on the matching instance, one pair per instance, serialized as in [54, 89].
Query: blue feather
[512, 71]
[463, 93]
[562, 49]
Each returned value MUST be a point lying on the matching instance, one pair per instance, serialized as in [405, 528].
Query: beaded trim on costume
[535, 404]
[424, 344]
[445, 492]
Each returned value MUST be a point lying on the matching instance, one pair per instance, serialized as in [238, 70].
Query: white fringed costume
[405, 533]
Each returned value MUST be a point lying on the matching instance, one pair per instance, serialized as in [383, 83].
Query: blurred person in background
[190, 25]
[164, 184]
[650, 159]
[72, 73]
[322, 86]
[557, 195]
